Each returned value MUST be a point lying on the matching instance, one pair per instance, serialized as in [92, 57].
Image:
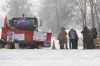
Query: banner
[19, 37]
[40, 36]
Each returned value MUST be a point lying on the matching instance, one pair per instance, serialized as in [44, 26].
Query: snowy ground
[49, 57]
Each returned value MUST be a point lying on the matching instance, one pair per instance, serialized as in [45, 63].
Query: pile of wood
[98, 42]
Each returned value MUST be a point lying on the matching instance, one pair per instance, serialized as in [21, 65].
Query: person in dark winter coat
[85, 33]
[63, 38]
[72, 36]
[92, 39]
[76, 41]
[94, 36]
[90, 42]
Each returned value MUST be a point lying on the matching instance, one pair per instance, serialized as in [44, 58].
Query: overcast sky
[3, 14]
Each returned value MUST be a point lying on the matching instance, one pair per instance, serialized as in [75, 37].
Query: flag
[5, 21]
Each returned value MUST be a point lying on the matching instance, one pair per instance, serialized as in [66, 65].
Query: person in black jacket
[76, 41]
[94, 36]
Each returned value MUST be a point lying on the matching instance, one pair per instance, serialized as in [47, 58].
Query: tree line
[57, 13]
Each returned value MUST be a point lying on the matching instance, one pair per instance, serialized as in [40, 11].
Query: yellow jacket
[62, 35]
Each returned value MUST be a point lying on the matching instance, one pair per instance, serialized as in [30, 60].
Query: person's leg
[73, 44]
[84, 45]
[94, 43]
[70, 42]
[76, 44]
[66, 46]
[61, 44]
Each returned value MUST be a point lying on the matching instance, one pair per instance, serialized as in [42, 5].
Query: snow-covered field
[49, 57]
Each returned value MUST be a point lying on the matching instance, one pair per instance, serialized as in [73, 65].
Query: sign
[40, 36]
[19, 36]
[10, 36]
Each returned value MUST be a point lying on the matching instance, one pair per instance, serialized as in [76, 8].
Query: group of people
[73, 39]
[89, 38]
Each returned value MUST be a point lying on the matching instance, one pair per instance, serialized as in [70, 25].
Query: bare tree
[82, 4]
[97, 17]
[16, 8]
[58, 13]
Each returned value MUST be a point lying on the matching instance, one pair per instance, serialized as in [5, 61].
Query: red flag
[5, 21]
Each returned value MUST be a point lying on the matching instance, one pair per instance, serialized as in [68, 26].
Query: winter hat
[63, 28]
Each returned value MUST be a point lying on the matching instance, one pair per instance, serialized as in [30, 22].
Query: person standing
[76, 41]
[94, 36]
[62, 38]
[85, 33]
[72, 35]
[90, 42]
